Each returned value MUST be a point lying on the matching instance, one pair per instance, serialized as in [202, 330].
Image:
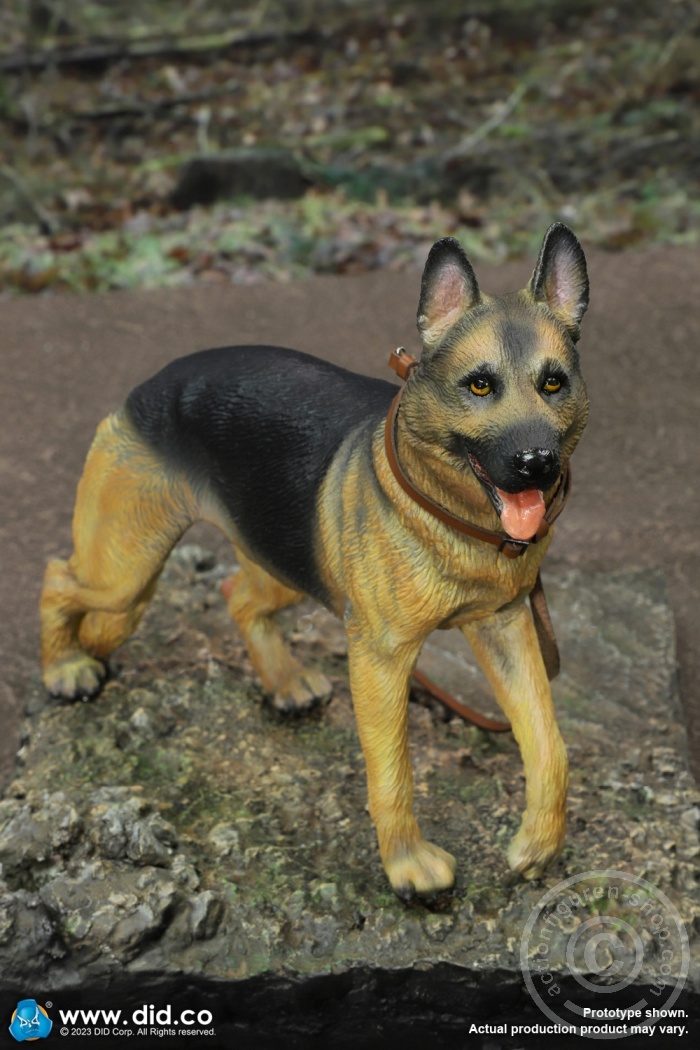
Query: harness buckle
[513, 548]
[402, 363]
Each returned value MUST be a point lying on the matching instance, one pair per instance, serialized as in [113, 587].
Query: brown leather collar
[404, 365]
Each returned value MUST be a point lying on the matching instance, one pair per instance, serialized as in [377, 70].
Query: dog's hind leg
[253, 597]
[129, 513]
[507, 649]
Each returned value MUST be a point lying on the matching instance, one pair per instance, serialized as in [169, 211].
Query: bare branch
[47, 223]
[92, 54]
[467, 144]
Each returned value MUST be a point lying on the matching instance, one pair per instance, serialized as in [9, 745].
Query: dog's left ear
[448, 289]
[561, 279]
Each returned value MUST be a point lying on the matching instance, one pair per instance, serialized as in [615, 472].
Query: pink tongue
[522, 512]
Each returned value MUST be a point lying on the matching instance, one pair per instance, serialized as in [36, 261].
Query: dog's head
[498, 394]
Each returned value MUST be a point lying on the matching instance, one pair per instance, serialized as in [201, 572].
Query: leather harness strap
[545, 629]
[493, 725]
[404, 365]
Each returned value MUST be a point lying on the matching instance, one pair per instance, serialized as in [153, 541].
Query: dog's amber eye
[480, 386]
[552, 385]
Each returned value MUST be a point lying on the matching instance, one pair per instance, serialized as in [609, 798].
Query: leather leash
[404, 366]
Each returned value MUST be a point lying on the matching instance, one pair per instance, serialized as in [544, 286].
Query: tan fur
[253, 597]
[128, 516]
[394, 572]
[404, 574]
[408, 575]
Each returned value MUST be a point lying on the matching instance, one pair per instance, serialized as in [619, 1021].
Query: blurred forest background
[150, 142]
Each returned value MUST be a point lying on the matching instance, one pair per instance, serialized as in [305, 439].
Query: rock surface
[179, 827]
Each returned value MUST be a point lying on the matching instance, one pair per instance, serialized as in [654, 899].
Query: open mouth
[520, 512]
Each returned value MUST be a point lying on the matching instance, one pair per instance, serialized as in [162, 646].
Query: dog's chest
[479, 585]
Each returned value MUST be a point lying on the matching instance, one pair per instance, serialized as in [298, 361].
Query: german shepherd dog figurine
[286, 454]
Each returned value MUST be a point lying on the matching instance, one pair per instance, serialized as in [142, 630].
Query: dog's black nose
[537, 465]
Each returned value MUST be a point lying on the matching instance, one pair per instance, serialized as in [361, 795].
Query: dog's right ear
[448, 289]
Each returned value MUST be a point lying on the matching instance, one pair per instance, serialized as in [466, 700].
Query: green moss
[486, 897]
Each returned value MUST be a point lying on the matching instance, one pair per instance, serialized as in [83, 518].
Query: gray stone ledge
[178, 828]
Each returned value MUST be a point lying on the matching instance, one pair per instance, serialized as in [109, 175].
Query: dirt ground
[69, 360]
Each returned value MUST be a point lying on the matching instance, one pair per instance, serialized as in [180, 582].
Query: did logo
[30, 1021]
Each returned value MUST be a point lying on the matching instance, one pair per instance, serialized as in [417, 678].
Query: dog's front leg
[380, 679]
[506, 646]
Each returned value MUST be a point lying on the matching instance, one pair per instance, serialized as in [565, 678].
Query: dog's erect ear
[448, 289]
[560, 279]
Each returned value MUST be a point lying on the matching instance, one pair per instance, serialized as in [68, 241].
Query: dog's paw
[305, 691]
[78, 677]
[421, 869]
[535, 846]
